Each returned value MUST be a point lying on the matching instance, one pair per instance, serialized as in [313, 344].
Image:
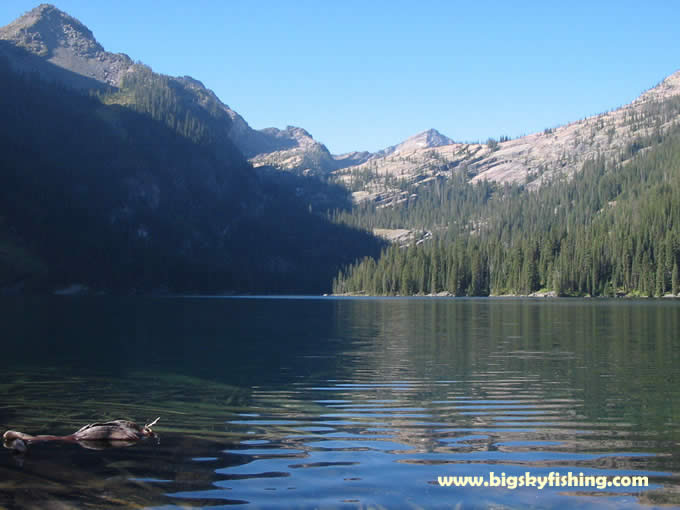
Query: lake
[342, 402]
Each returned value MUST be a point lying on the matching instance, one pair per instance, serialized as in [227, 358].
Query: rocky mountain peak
[57, 46]
[46, 28]
[425, 140]
[48, 35]
[299, 134]
[431, 138]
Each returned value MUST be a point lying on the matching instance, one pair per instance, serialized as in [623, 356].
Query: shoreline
[537, 295]
[81, 290]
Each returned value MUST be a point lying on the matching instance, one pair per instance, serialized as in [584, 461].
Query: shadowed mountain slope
[129, 181]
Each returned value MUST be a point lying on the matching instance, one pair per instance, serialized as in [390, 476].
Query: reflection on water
[343, 402]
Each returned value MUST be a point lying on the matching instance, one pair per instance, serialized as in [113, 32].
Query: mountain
[51, 42]
[60, 41]
[48, 41]
[589, 208]
[300, 152]
[59, 48]
[114, 176]
[135, 184]
[610, 229]
[534, 159]
[425, 140]
[292, 149]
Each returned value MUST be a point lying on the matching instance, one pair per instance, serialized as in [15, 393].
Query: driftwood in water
[115, 433]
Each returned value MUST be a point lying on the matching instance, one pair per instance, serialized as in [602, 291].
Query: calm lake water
[341, 403]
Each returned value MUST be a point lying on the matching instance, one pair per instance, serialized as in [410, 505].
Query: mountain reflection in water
[338, 403]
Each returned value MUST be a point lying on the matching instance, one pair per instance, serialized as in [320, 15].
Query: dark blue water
[342, 403]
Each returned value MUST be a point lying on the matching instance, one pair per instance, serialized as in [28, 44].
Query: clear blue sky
[363, 75]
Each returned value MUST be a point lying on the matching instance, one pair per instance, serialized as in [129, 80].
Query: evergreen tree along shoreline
[612, 228]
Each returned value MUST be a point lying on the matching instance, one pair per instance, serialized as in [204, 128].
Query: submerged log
[115, 433]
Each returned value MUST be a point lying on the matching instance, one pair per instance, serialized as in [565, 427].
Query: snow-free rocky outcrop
[534, 159]
[58, 39]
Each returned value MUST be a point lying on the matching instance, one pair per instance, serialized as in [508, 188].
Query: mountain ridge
[47, 40]
[46, 35]
[536, 158]
[134, 185]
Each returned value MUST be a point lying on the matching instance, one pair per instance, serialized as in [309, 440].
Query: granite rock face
[425, 140]
[293, 149]
[535, 159]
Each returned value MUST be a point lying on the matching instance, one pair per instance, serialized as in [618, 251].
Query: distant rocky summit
[64, 42]
[293, 149]
[425, 140]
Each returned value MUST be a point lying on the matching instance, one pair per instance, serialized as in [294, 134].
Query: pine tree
[660, 283]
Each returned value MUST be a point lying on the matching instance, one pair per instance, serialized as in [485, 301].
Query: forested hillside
[610, 228]
[148, 196]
